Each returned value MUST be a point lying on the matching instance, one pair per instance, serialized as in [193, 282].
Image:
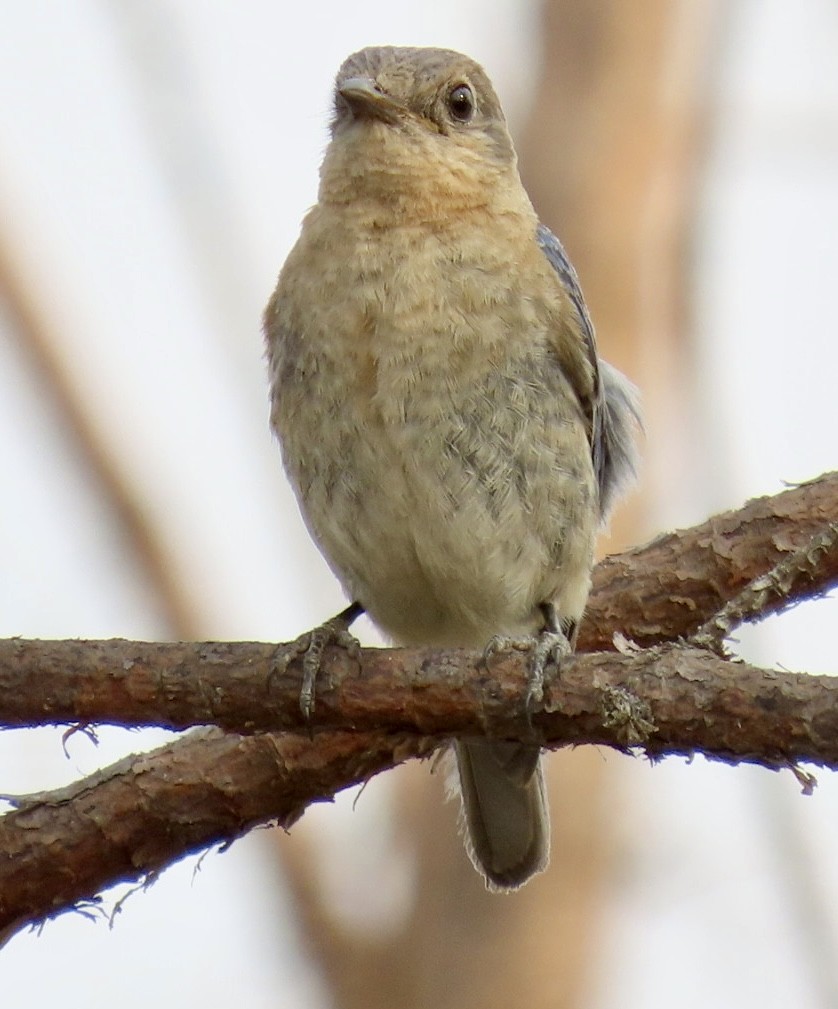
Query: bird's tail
[504, 809]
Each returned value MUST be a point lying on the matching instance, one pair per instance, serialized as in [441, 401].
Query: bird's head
[418, 128]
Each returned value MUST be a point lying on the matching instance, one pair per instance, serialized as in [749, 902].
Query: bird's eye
[461, 103]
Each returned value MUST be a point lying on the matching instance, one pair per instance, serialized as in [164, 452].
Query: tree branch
[667, 589]
[58, 849]
[684, 699]
[778, 589]
[145, 812]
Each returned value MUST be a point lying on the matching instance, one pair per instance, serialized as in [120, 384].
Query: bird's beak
[368, 101]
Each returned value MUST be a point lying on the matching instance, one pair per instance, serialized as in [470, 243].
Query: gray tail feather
[615, 448]
[504, 809]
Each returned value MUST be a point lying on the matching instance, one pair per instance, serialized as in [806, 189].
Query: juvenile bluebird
[453, 440]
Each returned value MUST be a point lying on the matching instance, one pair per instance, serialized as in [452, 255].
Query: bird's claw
[310, 646]
[333, 632]
[546, 646]
[549, 646]
[506, 643]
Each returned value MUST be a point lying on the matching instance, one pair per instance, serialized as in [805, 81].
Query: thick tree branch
[61, 848]
[681, 699]
[134, 818]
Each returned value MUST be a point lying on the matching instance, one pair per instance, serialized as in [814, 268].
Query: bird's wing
[557, 257]
[614, 408]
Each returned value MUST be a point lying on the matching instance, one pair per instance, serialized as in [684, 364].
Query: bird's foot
[550, 644]
[311, 645]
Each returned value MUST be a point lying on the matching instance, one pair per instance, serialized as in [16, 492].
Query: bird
[452, 437]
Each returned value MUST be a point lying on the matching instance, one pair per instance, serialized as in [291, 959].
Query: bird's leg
[311, 646]
[553, 642]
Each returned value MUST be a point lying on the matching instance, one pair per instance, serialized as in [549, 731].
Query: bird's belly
[450, 515]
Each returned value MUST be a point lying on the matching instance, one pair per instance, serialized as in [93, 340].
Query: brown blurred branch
[41, 334]
[613, 150]
[59, 848]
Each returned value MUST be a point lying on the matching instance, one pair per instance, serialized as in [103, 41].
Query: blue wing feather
[615, 414]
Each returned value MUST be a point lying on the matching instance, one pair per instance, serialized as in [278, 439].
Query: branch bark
[145, 812]
[59, 849]
[669, 699]
[670, 587]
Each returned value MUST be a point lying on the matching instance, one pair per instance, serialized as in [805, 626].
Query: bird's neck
[389, 183]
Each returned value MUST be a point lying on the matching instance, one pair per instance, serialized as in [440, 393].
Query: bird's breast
[439, 454]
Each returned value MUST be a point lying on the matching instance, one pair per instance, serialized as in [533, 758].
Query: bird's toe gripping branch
[551, 644]
[311, 645]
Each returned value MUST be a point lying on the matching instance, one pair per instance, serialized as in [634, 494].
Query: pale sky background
[157, 160]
